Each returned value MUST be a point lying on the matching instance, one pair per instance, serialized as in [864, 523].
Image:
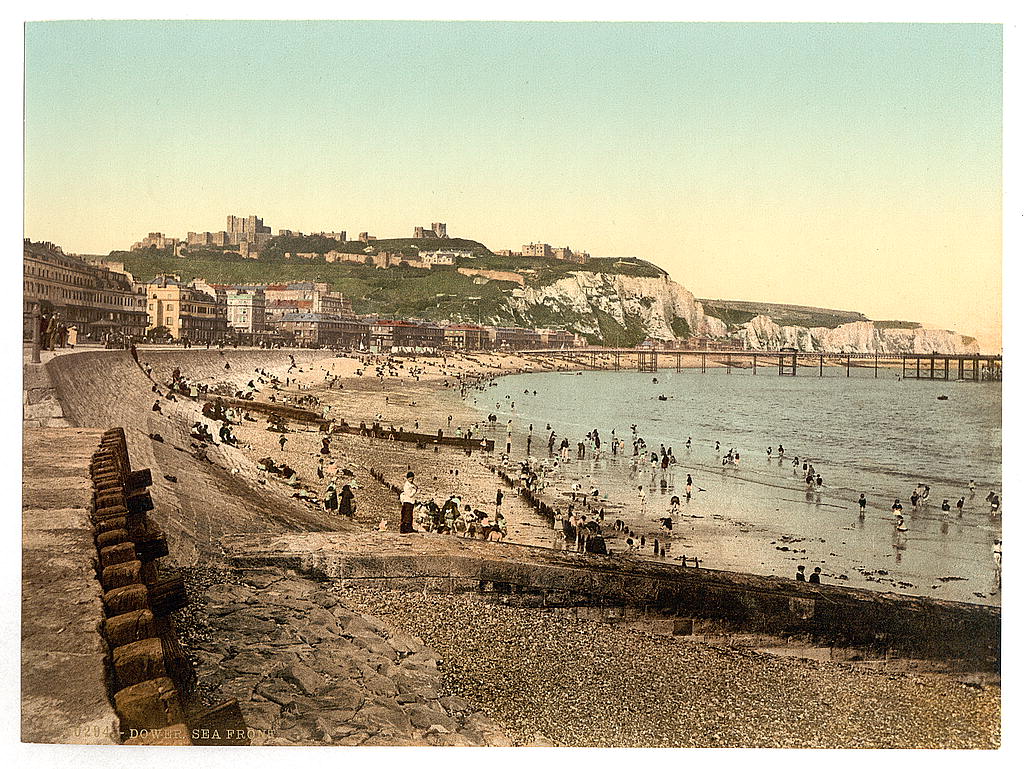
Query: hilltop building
[365, 237]
[207, 238]
[545, 251]
[160, 241]
[249, 230]
[446, 258]
[437, 231]
[542, 250]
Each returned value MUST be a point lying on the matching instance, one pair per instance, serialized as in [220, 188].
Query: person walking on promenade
[497, 502]
[689, 486]
[408, 500]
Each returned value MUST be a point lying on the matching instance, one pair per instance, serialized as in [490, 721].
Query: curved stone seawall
[199, 496]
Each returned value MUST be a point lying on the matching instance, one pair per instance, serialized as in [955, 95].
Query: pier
[930, 366]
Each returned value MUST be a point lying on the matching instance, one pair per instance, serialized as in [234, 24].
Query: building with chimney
[94, 298]
[186, 312]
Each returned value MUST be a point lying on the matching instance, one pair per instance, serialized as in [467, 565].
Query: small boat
[943, 398]
[662, 398]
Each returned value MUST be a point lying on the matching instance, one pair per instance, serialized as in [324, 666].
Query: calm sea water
[877, 436]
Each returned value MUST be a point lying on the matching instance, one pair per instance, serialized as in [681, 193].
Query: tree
[159, 334]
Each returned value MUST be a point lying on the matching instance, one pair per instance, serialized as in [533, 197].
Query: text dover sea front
[196, 735]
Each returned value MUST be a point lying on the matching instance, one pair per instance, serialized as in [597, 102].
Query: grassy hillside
[735, 312]
[401, 291]
[307, 244]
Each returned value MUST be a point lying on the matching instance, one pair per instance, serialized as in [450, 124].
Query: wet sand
[724, 525]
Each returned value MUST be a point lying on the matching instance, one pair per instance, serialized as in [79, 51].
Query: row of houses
[388, 335]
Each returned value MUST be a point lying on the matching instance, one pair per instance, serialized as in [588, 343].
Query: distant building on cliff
[437, 231]
[160, 241]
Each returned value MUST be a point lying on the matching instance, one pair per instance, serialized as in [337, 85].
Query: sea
[864, 433]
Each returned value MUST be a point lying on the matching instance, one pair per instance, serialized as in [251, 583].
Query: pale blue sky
[835, 164]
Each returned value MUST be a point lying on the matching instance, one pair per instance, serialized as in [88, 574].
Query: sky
[855, 166]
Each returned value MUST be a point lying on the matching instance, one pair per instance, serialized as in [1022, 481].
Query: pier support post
[703, 362]
[876, 365]
[847, 365]
[728, 363]
[946, 373]
[755, 364]
[821, 365]
[918, 369]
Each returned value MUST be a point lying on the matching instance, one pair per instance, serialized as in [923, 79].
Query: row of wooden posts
[153, 683]
[969, 368]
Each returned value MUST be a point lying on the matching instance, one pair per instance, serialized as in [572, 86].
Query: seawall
[198, 493]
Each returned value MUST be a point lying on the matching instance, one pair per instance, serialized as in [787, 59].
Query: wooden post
[728, 363]
[821, 365]
[946, 373]
[876, 365]
[703, 362]
[755, 364]
[904, 359]
[918, 368]
[847, 365]
[36, 336]
[931, 374]
[960, 368]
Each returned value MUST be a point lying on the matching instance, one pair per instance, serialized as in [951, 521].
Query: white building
[442, 258]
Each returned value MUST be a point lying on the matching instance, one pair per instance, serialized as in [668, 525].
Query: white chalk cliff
[762, 333]
[657, 303]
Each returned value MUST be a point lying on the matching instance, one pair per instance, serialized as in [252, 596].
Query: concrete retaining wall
[906, 625]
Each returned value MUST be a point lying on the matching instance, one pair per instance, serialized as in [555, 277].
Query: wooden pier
[933, 366]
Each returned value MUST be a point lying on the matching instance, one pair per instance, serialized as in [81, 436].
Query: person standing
[408, 499]
[816, 576]
[346, 505]
[497, 502]
[862, 503]
[800, 577]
